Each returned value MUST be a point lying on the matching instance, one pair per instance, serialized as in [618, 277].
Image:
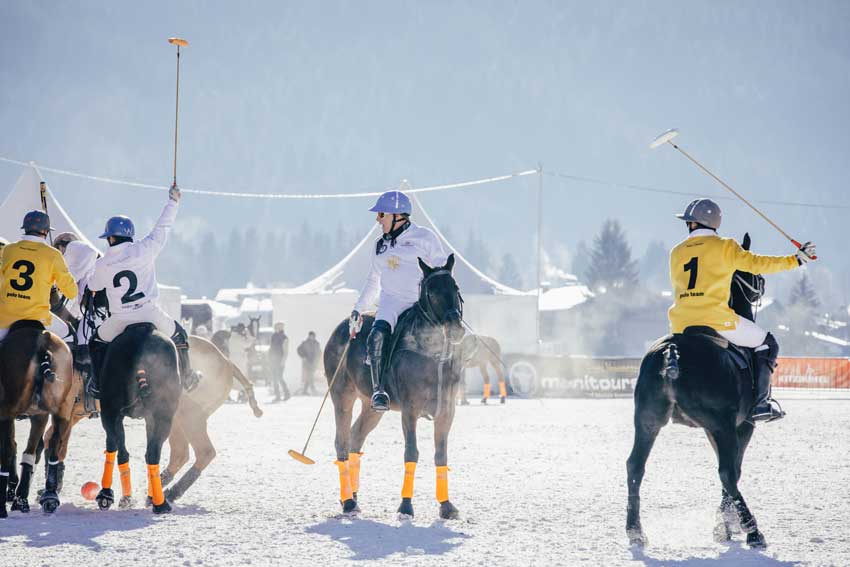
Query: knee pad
[769, 349]
[180, 337]
[380, 330]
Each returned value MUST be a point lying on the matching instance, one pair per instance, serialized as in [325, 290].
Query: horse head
[440, 300]
[747, 288]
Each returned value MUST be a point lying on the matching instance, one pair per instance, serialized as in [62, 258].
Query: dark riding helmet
[703, 211]
[119, 225]
[36, 221]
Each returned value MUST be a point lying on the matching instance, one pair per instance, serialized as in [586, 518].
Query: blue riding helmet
[119, 226]
[36, 221]
[392, 202]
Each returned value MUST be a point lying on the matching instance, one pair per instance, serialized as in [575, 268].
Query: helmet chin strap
[394, 232]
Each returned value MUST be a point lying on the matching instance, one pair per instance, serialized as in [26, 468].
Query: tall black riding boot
[766, 409]
[378, 337]
[83, 365]
[97, 355]
[188, 378]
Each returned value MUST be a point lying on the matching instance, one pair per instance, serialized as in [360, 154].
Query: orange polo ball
[89, 490]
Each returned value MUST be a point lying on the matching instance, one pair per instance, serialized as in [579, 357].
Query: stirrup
[380, 401]
[191, 381]
[767, 412]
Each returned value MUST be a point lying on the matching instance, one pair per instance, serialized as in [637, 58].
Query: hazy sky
[346, 96]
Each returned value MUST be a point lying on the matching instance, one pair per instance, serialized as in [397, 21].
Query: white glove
[806, 253]
[174, 193]
[355, 322]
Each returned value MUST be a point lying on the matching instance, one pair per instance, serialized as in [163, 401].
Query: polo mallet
[179, 43]
[302, 457]
[667, 138]
[42, 189]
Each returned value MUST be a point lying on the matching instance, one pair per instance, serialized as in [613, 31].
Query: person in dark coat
[311, 353]
[278, 351]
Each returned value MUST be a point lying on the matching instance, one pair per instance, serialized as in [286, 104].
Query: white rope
[449, 186]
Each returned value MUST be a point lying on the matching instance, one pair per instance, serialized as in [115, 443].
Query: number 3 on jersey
[130, 295]
[693, 268]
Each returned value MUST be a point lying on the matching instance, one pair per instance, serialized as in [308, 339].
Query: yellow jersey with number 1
[28, 270]
[701, 270]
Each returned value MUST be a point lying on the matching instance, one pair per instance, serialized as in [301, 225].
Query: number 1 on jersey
[693, 268]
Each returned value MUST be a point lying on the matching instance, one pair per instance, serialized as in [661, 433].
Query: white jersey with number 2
[127, 271]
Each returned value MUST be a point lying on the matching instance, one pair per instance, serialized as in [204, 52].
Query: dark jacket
[310, 351]
[277, 346]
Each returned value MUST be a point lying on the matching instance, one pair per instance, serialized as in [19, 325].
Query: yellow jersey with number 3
[28, 270]
[701, 270]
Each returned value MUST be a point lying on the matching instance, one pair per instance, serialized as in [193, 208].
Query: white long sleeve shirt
[128, 271]
[395, 269]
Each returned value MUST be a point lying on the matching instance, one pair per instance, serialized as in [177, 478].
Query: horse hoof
[21, 505]
[163, 508]
[3, 512]
[105, 498]
[49, 503]
[756, 540]
[448, 511]
[405, 509]
[350, 507]
[637, 537]
[126, 502]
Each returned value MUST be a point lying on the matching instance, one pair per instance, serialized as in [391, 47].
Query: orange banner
[801, 372]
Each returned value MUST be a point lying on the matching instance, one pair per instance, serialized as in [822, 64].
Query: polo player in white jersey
[128, 274]
[393, 280]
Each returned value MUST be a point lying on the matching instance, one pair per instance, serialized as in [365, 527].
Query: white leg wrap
[28, 459]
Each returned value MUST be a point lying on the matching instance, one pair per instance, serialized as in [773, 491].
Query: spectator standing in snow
[278, 353]
[310, 352]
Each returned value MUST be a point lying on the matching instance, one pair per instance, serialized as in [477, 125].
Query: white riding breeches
[391, 307]
[57, 326]
[150, 313]
[746, 334]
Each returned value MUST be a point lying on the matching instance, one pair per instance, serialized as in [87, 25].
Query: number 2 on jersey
[130, 295]
[693, 268]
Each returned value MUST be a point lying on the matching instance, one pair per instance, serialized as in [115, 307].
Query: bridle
[426, 306]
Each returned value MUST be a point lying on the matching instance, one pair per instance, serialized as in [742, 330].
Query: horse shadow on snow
[370, 540]
[735, 554]
[80, 526]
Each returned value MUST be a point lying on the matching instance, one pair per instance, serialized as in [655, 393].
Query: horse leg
[106, 496]
[728, 455]
[55, 468]
[363, 426]
[442, 426]
[179, 454]
[503, 388]
[343, 400]
[7, 449]
[647, 426]
[38, 424]
[158, 427]
[486, 375]
[196, 431]
[123, 458]
[411, 457]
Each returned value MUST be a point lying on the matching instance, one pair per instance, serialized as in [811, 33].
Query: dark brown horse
[422, 379]
[35, 380]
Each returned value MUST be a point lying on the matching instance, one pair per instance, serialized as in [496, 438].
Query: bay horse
[140, 354]
[35, 381]
[697, 379]
[422, 376]
[482, 351]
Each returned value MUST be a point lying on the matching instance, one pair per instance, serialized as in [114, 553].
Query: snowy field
[536, 482]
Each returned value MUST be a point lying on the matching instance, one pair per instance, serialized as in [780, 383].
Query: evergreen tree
[803, 293]
[509, 272]
[611, 264]
[655, 266]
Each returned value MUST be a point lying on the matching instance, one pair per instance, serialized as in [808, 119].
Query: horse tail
[44, 358]
[670, 369]
[247, 387]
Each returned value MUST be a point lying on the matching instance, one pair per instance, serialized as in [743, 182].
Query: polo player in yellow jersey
[701, 270]
[29, 268]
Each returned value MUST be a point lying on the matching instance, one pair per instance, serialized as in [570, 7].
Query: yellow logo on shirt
[393, 262]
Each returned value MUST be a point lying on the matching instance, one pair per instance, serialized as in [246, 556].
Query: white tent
[25, 197]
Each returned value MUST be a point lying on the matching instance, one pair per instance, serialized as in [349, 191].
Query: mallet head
[664, 138]
[301, 458]
[178, 41]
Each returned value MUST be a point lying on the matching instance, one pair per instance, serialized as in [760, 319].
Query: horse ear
[426, 269]
[746, 243]
[450, 263]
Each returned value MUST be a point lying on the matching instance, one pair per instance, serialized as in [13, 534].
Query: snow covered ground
[536, 482]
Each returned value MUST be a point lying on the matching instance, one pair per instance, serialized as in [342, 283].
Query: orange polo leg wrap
[354, 470]
[442, 484]
[155, 485]
[409, 472]
[487, 391]
[126, 485]
[503, 391]
[345, 492]
[108, 468]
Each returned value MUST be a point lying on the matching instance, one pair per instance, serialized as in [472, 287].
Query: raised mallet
[179, 43]
[302, 457]
[667, 138]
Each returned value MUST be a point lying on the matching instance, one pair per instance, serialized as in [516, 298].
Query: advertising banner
[800, 372]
